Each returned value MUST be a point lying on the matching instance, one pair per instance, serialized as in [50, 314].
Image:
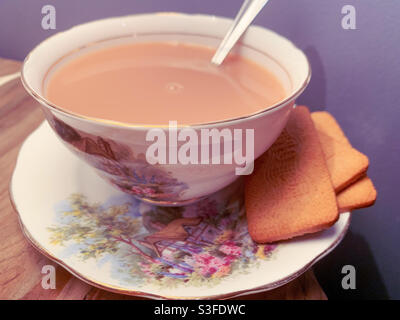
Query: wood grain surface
[20, 263]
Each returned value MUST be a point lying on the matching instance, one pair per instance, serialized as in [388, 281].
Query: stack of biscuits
[305, 180]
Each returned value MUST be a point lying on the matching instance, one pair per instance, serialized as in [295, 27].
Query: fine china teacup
[118, 150]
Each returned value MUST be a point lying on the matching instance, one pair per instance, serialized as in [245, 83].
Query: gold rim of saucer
[58, 109]
[121, 290]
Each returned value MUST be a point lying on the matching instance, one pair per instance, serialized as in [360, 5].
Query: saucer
[115, 242]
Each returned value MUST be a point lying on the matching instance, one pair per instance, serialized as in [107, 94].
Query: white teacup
[117, 150]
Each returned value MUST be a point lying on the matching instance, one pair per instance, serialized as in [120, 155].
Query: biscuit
[290, 192]
[345, 164]
[325, 122]
[359, 195]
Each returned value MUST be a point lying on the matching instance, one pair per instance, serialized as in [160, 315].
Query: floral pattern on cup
[118, 164]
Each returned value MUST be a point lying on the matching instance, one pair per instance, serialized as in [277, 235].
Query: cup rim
[45, 102]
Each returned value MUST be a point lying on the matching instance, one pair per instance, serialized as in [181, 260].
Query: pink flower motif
[228, 260]
[149, 191]
[137, 190]
[143, 191]
[208, 264]
[231, 249]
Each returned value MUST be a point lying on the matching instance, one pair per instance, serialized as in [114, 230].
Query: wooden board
[21, 264]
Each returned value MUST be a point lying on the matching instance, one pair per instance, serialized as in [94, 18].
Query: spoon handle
[245, 16]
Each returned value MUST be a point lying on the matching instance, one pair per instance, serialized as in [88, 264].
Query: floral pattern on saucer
[197, 244]
[64, 208]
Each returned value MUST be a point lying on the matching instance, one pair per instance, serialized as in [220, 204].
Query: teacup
[118, 150]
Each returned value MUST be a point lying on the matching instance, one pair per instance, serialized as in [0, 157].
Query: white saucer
[111, 240]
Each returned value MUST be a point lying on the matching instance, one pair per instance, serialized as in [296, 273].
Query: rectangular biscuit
[360, 194]
[325, 122]
[345, 164]
[290, 192]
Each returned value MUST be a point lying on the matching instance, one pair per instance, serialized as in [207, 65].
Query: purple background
[355, 77]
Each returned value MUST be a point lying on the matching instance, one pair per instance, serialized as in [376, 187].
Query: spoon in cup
[243, 19]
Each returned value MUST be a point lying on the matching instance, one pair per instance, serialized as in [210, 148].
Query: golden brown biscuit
[360, 194]
[345, 164]
[290, 192]
[325, 122]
